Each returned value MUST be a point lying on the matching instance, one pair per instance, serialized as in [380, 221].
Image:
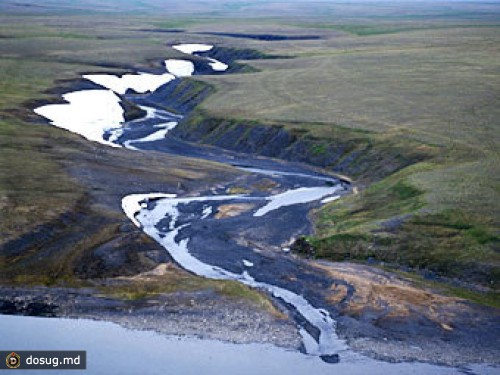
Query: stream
[227, 232]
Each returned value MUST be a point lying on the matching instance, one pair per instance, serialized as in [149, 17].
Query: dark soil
[266, 37]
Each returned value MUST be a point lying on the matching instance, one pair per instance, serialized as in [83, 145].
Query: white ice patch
[179, 68]
[114, 135]
[131, 204]
[207, 211]
[89, 113]
[296, 196]
[155, 113]
[141, 82]
[156, 136]
[150, 112]
[217, 66]
[166, 125]
[247, 263]
[192, 48]
[128, 146]
[330, 199]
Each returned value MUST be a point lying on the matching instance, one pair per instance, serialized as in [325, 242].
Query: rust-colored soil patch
[387, 295]
[232, 210]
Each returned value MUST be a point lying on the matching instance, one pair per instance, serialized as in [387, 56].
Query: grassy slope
[436, 87]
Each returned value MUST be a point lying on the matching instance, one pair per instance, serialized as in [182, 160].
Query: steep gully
[221, 234]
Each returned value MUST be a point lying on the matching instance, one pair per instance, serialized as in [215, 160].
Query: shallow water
[112, 349]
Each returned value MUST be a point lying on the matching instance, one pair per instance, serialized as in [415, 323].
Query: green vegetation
[175, 280]
[491, 298]
[366, 156]
[380, 28]
[392, 221]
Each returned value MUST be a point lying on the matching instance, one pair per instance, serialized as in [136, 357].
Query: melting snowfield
[296, 196]
[180, 68]
[98, 115]
[90, 113]
[193, 48]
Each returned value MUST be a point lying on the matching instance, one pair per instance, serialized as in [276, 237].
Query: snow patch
[207, 211]
[132, 204]
[156, 136]
[247, 263]
[192, 48]
[296, 196]
[330, 199]
[90, 113]
[141, 82]
[179, 68]
[217, 66]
